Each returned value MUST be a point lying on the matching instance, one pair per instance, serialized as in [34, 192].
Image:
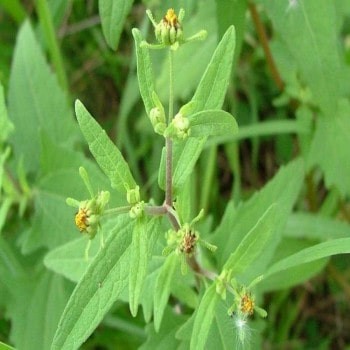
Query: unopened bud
[133, 195]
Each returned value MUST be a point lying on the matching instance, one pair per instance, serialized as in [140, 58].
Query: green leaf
[144, 71]
[104, 150]
[330, 147]
[36, 102]
[309, 32]
[315, 227]
[296, 275]
[165, 337]
[318, 251]
[185, 157]
[283, 190]
[253, 243]
[210, 94]
[34, 329]
[212, 88]
[101, 285]
[212, 123]
[69, 261]
[204, 317]
[10, 269]
[163, 288]
[113, 14]
[141, 249]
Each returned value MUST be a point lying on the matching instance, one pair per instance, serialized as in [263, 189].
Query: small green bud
[137, 210]
[182, 126]
[157, 117]
[179, 127]
[133, 195]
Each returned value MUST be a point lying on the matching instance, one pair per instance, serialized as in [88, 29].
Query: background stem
[51, 41]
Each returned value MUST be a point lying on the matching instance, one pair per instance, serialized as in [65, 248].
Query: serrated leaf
[204, 317]
[113, 14]
[163, 288]
[36, 102]
[101, 285]
[140, 259]
[319, 251]
[104, 150]
[144, 71]
[253, 243]
[212, 123]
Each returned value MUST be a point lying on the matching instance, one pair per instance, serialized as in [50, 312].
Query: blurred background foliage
[289, 92]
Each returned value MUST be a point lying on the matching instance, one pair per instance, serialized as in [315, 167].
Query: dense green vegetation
[219, 190]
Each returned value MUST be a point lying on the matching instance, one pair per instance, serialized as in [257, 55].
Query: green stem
[118, 210]
[15, 9]
[51, 40]
[168, 141]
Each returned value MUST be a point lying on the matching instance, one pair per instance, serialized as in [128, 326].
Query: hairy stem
[168, 141]
[265, 44]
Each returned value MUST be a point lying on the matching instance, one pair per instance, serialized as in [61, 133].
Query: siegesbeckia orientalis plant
[124, 258]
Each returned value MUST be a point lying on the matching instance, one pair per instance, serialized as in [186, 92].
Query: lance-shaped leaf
[253, 243]
[104, 150]
[212, 123]
[141, 250]
[144, 71]
[163, 286]
[212, 88]
[113, 14]
[318, 251]
[102, 284]
[204, 317]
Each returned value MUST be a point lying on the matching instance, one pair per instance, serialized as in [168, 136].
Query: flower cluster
[184, 242]
[169, 31]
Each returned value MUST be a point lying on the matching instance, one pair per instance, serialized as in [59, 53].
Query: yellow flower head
[247, 304]
[171, 18]
[81, 219]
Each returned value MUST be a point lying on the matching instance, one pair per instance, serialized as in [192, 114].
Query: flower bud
[157, 117]
[169, 31]
[137, 210]
[181, 125]
[87, 219]
[133, 195]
